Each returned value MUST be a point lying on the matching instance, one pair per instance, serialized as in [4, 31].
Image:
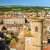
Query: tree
[4, 28]
[26, 21]
[1, 35]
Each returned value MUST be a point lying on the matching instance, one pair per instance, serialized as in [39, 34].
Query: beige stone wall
[28, 43]
[36, 48]
[1, 27]
[37, 35]
[35, 40]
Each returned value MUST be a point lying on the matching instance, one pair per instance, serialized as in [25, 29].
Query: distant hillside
[22, 8]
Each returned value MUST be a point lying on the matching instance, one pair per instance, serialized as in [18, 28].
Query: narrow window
[14, 22]
[36, 29]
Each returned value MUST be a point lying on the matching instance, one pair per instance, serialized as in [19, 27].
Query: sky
[26, 2]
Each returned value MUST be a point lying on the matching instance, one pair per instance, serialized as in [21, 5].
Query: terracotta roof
[46, 22]
[13, 43]
[47, 47]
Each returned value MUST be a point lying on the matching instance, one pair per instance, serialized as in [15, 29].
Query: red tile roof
[46, 47]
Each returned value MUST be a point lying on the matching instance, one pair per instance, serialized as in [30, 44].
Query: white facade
[14, 21]
[11, 28]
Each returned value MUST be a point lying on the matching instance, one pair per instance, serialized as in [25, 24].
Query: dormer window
[36, 29]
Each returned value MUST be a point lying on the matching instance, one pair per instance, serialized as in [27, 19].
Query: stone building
[14, 21]
[34, 42]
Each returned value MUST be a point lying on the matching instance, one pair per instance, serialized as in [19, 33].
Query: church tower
[35, 41]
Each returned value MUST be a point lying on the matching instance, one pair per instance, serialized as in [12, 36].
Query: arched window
[36, 29]
[14, 22]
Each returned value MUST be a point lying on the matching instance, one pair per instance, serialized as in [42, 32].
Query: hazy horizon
[45, 3]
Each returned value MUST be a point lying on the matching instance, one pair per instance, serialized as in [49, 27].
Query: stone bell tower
[35, 41]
